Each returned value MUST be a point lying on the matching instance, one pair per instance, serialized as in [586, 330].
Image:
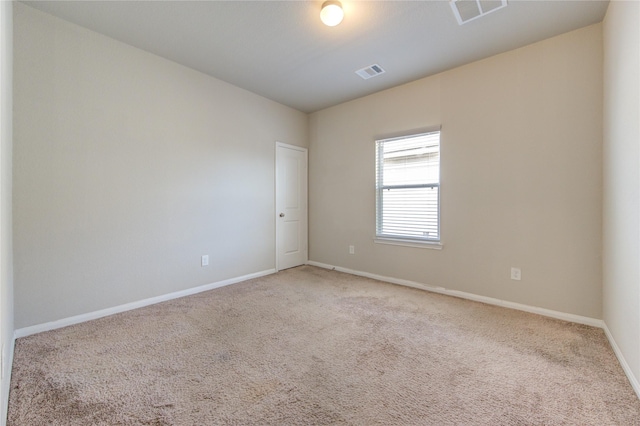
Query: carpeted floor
[309, 346]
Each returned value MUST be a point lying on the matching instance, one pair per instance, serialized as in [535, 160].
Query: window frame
[404, 240]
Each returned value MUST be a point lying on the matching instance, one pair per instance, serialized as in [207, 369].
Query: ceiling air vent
[468, 10]
[370, 71]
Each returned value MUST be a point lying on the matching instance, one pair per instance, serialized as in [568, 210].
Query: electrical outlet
[352, 250]
[205, 260]
[516, 274]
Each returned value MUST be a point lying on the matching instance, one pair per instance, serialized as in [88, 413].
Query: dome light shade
[331, 13]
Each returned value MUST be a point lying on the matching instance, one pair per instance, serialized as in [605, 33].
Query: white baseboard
[635, 384]
[623, 362]
[27, 331]
[39, 328]
[470, 296]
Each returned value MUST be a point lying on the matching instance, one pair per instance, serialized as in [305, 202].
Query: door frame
[275, 199]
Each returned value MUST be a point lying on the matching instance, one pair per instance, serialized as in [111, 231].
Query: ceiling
[281, 50]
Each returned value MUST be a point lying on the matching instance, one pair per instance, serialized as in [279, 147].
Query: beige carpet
[309, 346]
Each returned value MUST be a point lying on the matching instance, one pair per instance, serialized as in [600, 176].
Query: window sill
[433, 245]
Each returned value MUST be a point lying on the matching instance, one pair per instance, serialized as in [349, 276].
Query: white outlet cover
[516, 274]
[205, 260]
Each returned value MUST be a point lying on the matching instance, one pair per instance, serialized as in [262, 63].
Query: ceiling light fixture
[331, 13]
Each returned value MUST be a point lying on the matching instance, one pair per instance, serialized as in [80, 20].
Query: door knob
[281, 214]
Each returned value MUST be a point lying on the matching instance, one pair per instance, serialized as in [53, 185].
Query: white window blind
[408, 187]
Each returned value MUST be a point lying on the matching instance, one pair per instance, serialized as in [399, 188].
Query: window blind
[408, 187]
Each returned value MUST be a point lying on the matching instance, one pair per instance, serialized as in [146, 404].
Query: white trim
[296, 147]
[470, 296]
[400, 135]
[6, 143]
[305, 151]
[433, 245]
[380, 188]
[623, 362]
[39, 328]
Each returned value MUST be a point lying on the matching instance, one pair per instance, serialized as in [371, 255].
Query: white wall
[6, 259]
[621, 213]
[521, 176]
[128, 168]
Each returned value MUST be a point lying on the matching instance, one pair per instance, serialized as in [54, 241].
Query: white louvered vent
[468, 10]
[370, 71]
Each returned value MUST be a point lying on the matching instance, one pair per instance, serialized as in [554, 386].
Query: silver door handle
[281, 214]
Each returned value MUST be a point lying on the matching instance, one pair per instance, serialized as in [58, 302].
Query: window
[408, 188]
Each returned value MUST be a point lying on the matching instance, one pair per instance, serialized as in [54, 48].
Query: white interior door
[291, 206]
